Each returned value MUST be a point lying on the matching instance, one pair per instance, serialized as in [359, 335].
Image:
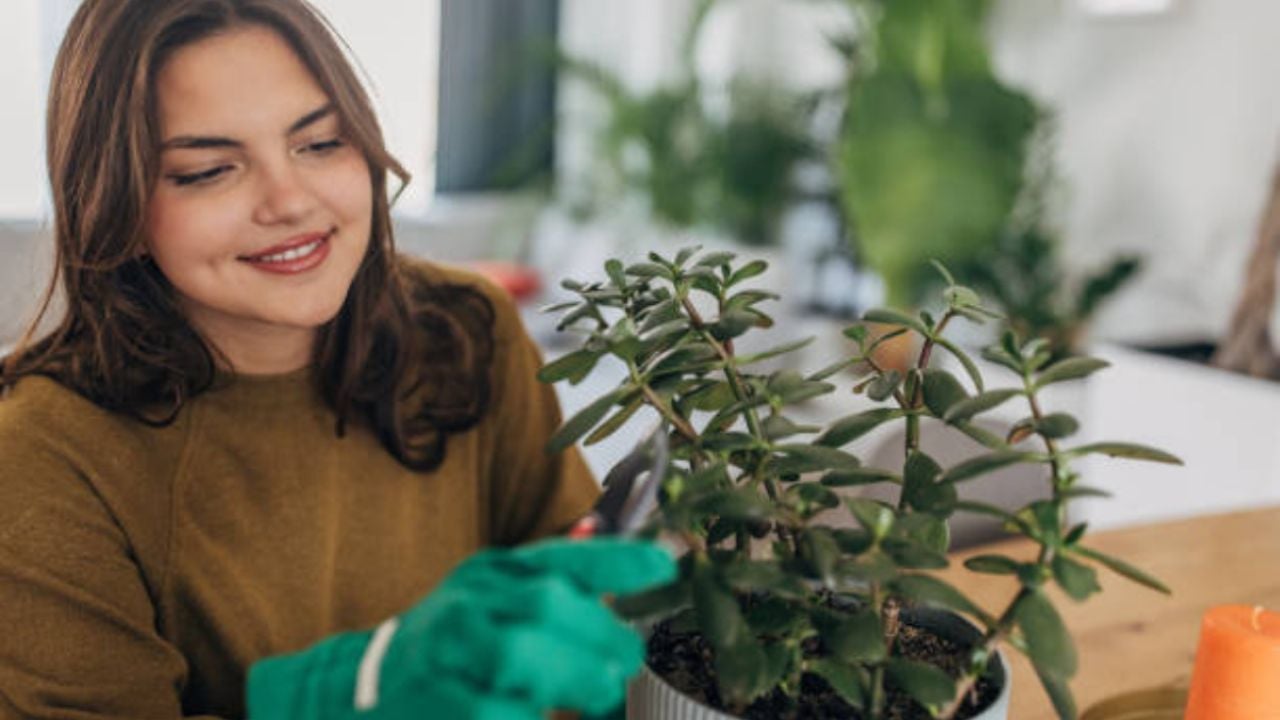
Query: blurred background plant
[930, 156]
[698, 156]
[1024, 273]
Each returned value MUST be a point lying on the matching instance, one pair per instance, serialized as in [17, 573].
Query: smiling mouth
[299, 255]
[296, 253]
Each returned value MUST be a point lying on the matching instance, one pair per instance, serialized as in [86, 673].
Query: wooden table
[1129, 637]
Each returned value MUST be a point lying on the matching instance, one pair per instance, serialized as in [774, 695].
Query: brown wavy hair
[408, 356]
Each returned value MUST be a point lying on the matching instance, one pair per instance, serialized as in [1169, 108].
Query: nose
[284, 197]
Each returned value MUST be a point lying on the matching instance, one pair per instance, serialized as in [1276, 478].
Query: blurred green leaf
[1132, 451]
[585, 419]
[858, 476]
[843, 679]
[1057, 426]
[1070, 369]
[1048, 644]
[925, 683]
[1123, 568]
[1079, 581]
[983, 464]
[992, 564]
[942, 391]
[574, 365]
[978, 404]
[851, 427]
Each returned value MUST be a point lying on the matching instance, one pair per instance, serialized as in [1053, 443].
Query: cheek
[178, 232]
[350, 192]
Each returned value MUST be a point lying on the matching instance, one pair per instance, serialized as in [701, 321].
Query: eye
[322, 147]
[200, 178]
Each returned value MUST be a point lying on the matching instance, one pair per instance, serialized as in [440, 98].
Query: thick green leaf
[883, 386]
[574, 364]
[1048, 643]
[889, 316]
[978, 404]
[858, 476]
[777, 427]
[744, 360]
[1079, 491]
[992, 564]
[930, 590]
[844, 679]
[969, 366]
[927, 530]
[747, 298]
[811, 498]
[820, 552]
[650, 270]
[1079, 581]
[1132, 451]
[1072, 368]
[856, 333]
[716, 259]
[980, 435]
[1121, 567]
[762, 576]
[741, 670]
[772, 615]
[925, 683]
[913, 555]
[1011, 521]
[849, 428]
[620, 418]
[800, 458]
[728, 441]
[717, 610]
[921, 488]
[941, 391]
[1060, 695]
[859, 638]
[1001, 357]
[735, 504]
[1057, 426]
[732, 324]
[712, 396]
[984, 464]
[748, 271]
[657, 602]
[875, 516]
[585, 419]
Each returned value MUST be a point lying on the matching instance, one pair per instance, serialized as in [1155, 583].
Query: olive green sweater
[142, 570]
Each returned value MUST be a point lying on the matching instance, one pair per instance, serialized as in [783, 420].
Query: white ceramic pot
[650, 697]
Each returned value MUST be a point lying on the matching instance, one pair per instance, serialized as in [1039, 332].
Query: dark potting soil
[684, 660]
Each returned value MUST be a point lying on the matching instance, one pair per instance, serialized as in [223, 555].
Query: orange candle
[1237, 671]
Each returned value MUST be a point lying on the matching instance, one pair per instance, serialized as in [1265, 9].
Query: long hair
[408, 356]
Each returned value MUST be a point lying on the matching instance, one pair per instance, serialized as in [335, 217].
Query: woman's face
[262, 211]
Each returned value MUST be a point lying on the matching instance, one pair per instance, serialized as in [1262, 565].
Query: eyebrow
[193, 142]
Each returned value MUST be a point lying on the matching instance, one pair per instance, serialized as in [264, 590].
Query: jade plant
[792, 582]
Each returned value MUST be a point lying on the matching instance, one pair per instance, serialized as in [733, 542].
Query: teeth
[290, 254]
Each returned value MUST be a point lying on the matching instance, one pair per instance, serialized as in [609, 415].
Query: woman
[257, 443]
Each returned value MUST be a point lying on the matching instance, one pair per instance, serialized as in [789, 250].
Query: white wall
[1170, 130]
[21, 113]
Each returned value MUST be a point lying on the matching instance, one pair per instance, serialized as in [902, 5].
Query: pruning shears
[630, 489]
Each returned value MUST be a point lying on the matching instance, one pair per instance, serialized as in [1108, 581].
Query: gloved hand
[508, 635]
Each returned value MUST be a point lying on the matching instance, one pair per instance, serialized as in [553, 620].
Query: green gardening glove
[508, 635]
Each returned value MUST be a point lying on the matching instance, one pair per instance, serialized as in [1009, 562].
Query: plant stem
[725, 351]
[990, 642]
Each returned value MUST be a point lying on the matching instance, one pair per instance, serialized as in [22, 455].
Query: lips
[295, 255]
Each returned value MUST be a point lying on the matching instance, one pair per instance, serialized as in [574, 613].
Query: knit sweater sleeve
[78, 636]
